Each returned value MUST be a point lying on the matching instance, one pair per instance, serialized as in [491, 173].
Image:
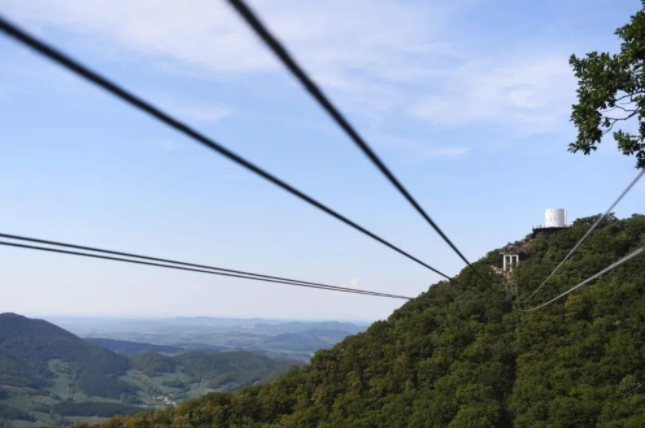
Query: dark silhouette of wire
[591, 229]
[586, 281]
[212, 272]
[287, 59]
[79, 69]
[176, 262]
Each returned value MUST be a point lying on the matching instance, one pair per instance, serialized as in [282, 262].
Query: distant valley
[52, 377]
[296, 340]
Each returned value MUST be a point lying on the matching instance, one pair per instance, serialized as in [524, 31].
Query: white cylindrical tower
[555, 217]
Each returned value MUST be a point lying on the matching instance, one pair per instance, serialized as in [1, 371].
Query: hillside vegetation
[172, 336]
[462, 357]
[26, 347]
[153, 364]
[126, 347]
[48, 374]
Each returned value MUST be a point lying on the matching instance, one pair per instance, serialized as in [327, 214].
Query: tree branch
[616, 120]
[629, 116]
[630, 96]
[609, 129]
[626, 110]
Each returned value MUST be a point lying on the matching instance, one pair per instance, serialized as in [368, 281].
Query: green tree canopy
[611, 94]
[461, 357]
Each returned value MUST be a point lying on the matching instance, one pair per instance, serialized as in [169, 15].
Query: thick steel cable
[231, 275]
[591, 229]
[79, 69]
[586, 281]
[287, 59]
[176, 262]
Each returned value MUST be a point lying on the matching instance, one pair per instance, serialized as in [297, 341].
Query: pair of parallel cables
[137, 102]
[614, 265]
[320, 97]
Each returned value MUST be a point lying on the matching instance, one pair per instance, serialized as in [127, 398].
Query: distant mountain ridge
[277, 339]
[35, 342]
[127, 347]
[48, 373]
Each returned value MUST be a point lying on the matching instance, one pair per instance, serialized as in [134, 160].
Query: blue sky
[468, 102]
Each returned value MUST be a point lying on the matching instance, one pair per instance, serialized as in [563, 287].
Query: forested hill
[48, 374]
[452, 358]
[31, 344]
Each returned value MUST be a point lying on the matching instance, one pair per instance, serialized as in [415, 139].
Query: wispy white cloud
[166, 145]
[444, 152]
[359, 50]
[376, 57]
[532, 94]
[352, 283]
[326, 35]
[193, 111]
[203, 114]
[415, 150]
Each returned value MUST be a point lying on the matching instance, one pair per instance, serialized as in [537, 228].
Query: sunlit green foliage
[611, 92]
[27, 345]
[100, 409]
[153, 364]
[11, 413]
[465, 358]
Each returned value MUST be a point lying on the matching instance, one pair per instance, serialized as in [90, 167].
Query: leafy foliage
[127, 347]
[206, 365]
[100, 385]
[11, 413]
[462, 357]
[53, 373]
[26, 346]
[174, 383]
[153, 364]
[94, 408]
[16, 372]
[611, 90]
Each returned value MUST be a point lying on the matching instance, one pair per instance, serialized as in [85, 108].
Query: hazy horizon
[467, 102]
[144, 317]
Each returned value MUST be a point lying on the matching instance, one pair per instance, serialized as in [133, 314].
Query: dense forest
[466, 357]
[48, 373]
[133, 348]
[153, 364]
[26, 347]
[100, 409]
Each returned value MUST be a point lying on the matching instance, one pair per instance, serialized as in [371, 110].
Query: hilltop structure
[554, 219]
[510, 257]
[463, 357]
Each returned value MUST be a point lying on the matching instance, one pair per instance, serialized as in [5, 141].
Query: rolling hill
[127, 347]
[466, 357]
[277, 339]
[50, 376]
[34, 343]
